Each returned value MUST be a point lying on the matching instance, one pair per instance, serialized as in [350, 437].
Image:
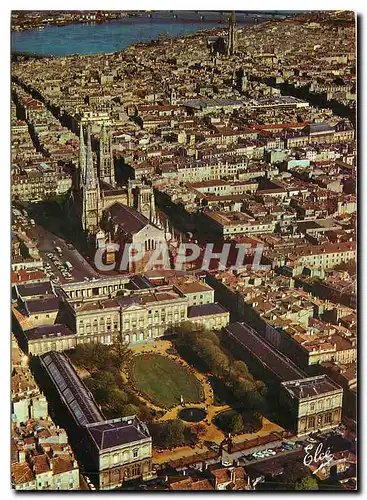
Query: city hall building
[113, 451]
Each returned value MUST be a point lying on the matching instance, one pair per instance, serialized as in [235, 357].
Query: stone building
[95, 189]
[315, 403]
[113, 451]
[46, 338]
[137, 318]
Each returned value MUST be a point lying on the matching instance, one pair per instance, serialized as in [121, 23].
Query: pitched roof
[21, 473]
[205, 310]
[48, 331]
[42, 305]
[112, 433]
[129, 219]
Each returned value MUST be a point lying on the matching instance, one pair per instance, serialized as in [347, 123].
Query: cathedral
[104, 209]
[232, 35]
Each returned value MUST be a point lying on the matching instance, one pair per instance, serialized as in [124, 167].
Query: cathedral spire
[231, 41]
[106, 169]
[90, 178]
[82, 156]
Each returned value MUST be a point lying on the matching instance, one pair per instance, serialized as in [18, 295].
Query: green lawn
[164, 380]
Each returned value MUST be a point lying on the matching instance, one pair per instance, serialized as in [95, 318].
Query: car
[226, 463]
[287, 446]
[92, 487]
[311, 440]
[271, 452]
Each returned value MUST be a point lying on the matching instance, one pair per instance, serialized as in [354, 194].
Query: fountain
[192, 414]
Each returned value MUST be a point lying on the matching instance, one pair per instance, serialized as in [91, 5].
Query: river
[116, 35]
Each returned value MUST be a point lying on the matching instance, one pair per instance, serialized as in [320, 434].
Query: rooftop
[311, 387]
[272, 359]
[119, 431]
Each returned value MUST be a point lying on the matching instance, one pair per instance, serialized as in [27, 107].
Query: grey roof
[30, 289]
[129, 219]
[48, 332]
[311, 387]
[42, 305]
[117, 432]
[138, 282]
[204, 102]
[320, 127]
[72, 390]
[270, 358]
[205, 310]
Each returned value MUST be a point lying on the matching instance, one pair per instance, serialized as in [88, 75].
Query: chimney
[21, 456]
[233, 474]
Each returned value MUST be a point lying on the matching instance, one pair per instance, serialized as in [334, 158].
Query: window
[135, 453]
[311, 422]
[328, 418]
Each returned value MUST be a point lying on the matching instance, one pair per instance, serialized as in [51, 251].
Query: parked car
[311, 440]
[226, 463]
[271, 452]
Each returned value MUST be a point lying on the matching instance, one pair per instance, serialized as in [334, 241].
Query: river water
[115, 35]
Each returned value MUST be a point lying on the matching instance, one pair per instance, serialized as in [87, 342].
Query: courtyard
[164, 381]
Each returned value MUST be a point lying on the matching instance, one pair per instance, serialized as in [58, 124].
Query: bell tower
[91, 193]
[82, 159]
[173, 97]
[105, 161]
[232, 35]
[146, 202]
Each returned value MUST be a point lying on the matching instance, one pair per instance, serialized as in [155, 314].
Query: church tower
[146, 203]
[173, 97]
[232, 35]
[82, 158]
[106, 166]
[234, 79]
[91, 193]
[244, 81]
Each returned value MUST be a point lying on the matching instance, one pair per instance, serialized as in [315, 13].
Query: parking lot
[62, 262]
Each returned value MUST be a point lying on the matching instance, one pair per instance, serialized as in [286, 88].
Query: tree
[255, 401]
[307, 483]
[293, 473]
[241, 388]
[172, 433]
[121, 350]
[239, 368]
[261, 387]
[235, 425]
[130, 410]
[197, 431]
